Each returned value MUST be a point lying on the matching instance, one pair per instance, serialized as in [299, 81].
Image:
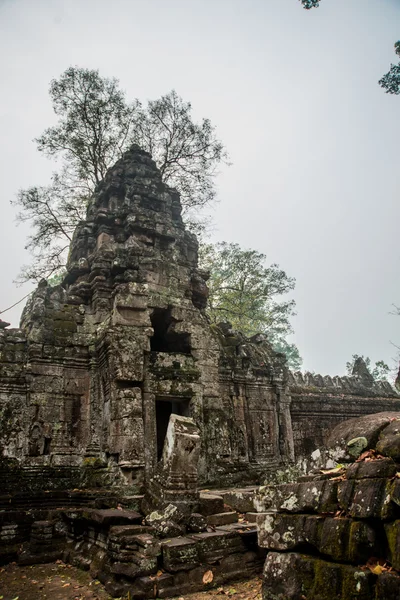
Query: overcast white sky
[314, 141]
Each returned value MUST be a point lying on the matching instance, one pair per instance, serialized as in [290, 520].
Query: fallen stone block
[251, 517]
[240, 566]
[368, 426]
[180, 554]
[222, 518]
[335, 538]
[364, 542]
[392, 531]
[389, 440]
[312, 533]
[385, 467]
[113, 516]
[287, 576]
[213, 546]
[240, 500]
[26, 557]
[125, 532]
[210, 504]
[197, 523]
[148, 544]
[292, 576]
[371, 498]
[130, 570]
[280, 531]
[387, 587]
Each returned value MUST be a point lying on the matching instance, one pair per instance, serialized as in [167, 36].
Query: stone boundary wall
[320, 403]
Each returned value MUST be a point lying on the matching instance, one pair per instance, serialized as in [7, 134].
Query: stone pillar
[286, 443]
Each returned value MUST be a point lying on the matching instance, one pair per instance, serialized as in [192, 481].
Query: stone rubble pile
[166, 558]
[335, 534]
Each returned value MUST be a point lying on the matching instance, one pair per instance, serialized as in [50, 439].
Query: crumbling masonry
[88, 383]
[104, 365]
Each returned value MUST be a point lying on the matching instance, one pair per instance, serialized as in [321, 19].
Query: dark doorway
[164, 408]
[165, 338]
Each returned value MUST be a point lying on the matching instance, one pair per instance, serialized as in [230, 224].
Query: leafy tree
[291, 352]
[186, 153]
[95, 126]
[247, 293]
[391, 80]
[310, 4]
[53, 212]
[379, 372]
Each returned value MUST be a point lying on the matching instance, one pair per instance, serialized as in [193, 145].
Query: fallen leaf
[66, 585]
[208, 577]
[377, 570]
[333, 471]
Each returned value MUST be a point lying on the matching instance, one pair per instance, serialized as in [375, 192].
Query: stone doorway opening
[165, 407]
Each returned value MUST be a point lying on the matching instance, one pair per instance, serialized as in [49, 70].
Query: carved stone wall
[320, 403]
[88, 383]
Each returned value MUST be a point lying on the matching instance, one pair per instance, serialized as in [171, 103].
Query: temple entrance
[164, 408]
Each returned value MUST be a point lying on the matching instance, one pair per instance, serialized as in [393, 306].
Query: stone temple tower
[87, 385]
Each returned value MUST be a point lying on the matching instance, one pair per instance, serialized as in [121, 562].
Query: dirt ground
[58, 581]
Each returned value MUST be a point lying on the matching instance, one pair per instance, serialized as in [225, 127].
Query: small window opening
[165, 338]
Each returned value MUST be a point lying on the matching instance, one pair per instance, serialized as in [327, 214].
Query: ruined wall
[334, 534]
[88, 383]
[320, 403]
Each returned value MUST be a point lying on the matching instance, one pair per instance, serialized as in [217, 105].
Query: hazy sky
[314, 141]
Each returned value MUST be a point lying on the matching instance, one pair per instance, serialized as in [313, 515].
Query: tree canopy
[310, 4]
[391, 80]
[249, 294]
[95, 125]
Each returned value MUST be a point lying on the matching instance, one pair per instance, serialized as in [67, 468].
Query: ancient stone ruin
[335, 534]
[100, 363]
[119, 403]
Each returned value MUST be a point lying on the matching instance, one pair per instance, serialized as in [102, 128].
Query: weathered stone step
[224, 518]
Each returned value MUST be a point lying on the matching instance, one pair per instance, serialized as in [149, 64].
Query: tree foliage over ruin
[250, 295]
[379, 371]
[95, 125]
